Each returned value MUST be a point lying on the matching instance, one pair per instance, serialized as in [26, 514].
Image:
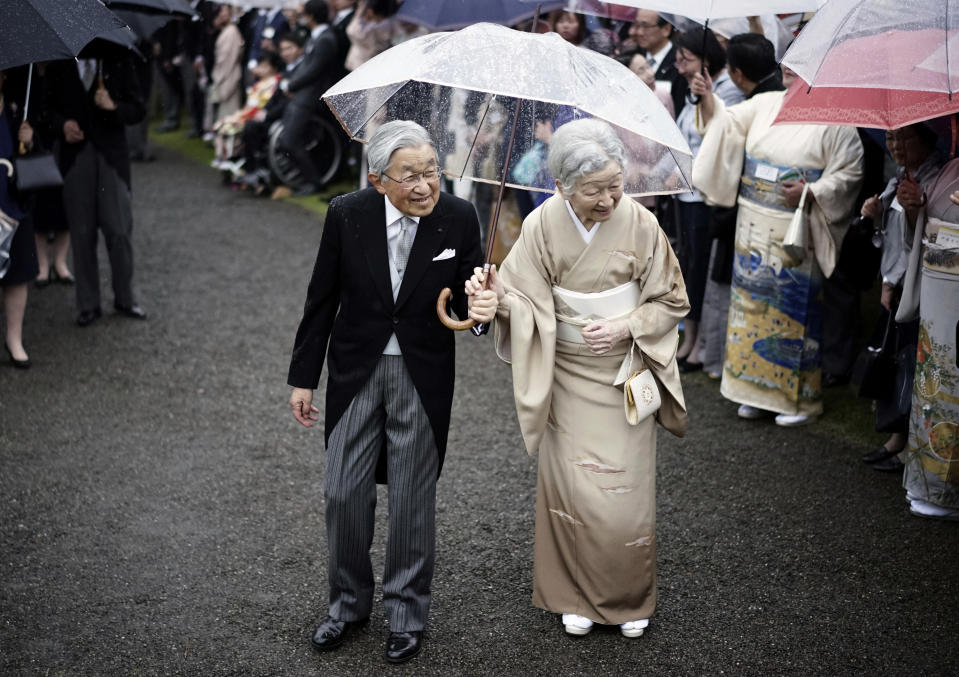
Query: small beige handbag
[641, 396]
[797, 235]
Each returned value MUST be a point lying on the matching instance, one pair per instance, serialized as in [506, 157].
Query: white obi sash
[574, 310]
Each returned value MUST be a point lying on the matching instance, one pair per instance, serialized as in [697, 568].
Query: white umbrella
[462, 87]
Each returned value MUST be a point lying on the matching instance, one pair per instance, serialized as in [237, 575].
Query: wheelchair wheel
[325, 147]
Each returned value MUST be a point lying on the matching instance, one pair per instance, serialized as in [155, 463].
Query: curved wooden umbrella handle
[448, 321]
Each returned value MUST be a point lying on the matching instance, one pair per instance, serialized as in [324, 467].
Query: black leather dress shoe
[88, 316]
[687, 367]
[134, 311]
[880, 454]
[402, 646]
[891, 464]
[331, 633]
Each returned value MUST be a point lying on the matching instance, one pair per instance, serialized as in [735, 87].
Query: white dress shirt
[394, 218]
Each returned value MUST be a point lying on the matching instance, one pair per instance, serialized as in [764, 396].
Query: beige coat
[595, 514]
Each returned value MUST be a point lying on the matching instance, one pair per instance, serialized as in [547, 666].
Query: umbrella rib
[832, 43]
[479, 126]
[948, 75]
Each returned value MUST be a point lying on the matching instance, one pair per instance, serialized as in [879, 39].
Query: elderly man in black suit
[386, 254]
[91, 103]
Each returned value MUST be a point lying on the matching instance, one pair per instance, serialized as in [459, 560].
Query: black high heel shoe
[19, 364]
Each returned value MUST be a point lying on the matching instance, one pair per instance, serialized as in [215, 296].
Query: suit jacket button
[396, 320]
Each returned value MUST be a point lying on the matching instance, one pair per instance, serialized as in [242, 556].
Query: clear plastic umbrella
[703, 9]
[463, 88]
[488, 96]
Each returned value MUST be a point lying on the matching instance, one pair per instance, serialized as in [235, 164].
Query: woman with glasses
[693, 57]
[913, 149]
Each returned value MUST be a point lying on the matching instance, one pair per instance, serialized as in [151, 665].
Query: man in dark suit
[91, 103]
[385, 255]
[654, 35]
[322, 65]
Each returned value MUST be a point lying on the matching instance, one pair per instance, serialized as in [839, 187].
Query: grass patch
[200, 151]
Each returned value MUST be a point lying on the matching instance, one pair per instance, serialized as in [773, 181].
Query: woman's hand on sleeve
[602, 335]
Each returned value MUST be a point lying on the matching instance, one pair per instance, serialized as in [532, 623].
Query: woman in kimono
[595, 550]
[931, 476]
[773, 363]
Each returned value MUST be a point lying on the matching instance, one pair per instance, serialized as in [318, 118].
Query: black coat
[106, 130]
[320, 68]
[350, 307]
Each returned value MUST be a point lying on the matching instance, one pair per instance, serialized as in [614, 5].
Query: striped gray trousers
[387, 407]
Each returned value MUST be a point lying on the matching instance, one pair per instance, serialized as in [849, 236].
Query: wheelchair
[325, 147]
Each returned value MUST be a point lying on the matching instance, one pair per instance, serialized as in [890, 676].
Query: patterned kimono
[775, 318]
[595, 509]
[932, 453]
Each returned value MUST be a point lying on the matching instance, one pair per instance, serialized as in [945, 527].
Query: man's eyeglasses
[411, 180]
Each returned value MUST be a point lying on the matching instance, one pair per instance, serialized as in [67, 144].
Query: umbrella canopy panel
[46, 30]
[451, 14]
[463, 88]
[884, 44]
[711, 9]
[875, 107]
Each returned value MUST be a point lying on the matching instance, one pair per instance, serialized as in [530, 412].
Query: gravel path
[161, 512]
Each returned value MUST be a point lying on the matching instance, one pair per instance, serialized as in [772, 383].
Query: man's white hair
[582, 147]
[390, 138]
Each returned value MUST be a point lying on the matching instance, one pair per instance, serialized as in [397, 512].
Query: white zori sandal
[633, 628]
[577, 625]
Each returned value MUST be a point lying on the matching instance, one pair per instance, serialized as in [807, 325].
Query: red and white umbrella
[875, 63]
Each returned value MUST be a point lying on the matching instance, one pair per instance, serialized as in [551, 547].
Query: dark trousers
[256, 136]
[841, 324]
[96, 198]
[294, 139]
[697, 242]
[386, 416]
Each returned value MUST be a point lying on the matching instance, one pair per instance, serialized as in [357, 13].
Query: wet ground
[161, 512]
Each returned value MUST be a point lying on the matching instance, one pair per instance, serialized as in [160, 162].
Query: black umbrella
[143, 24]
[181, 7]
[46, 30]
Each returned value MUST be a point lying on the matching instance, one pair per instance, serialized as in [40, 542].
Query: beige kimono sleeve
[719, 166]
[835, 193]
[526, 325]
[654, 326]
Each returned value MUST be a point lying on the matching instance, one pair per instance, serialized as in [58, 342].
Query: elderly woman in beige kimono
[595, 549]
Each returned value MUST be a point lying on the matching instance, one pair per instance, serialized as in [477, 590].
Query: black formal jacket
[321, 67]
[349, 304]
[106, 130]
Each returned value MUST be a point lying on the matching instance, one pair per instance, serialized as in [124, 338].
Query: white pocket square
[445, 254]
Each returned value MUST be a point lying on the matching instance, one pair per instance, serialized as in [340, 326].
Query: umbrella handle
[448, 321]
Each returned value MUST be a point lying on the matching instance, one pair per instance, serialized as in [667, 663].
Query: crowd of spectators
[775, 330]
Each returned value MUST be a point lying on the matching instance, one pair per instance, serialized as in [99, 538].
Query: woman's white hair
[391, 137]
[582, 147]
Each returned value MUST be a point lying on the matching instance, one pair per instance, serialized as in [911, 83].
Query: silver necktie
[404, 245]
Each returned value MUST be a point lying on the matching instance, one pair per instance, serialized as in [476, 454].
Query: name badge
[767, 172]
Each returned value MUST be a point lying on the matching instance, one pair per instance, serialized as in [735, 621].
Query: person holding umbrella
[773, 359]
[91, 103]
[590, 294]
[386, 253]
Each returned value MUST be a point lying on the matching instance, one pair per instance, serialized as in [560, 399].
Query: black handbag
[36, 171]
[859, 258]
[874, 374]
